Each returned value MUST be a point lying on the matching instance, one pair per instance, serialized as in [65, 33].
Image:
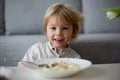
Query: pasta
[59, 66]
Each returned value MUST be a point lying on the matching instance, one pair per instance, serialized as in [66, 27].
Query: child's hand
[20, 65]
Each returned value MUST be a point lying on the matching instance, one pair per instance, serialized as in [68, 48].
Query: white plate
[84, 64]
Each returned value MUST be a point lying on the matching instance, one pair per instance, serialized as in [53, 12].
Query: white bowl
[84, 64]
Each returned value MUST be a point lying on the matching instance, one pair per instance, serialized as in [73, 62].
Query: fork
[39, 65]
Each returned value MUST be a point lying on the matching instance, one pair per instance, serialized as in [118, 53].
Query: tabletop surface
[95, 72]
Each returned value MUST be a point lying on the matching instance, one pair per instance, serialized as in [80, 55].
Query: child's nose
[58, 32]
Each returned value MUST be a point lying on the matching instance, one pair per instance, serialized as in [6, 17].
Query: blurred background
[21, 25]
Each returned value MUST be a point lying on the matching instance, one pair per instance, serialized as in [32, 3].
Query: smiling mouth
[58, 40]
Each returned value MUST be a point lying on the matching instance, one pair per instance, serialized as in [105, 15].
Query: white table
[95, 72]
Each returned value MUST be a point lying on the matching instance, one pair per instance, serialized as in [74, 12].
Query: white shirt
[46, 50]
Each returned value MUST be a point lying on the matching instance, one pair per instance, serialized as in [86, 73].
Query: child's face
[59, 32]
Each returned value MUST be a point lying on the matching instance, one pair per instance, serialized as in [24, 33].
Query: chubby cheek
[49, 35]
[69, 35]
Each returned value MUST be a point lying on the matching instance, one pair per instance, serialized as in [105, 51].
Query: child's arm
[30, 55]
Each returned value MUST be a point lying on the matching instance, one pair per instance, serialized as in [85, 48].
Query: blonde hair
[65, 12]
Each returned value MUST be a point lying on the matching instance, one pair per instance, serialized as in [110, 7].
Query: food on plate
[60, 66]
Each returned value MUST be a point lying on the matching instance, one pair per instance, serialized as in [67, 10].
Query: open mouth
[59, 40]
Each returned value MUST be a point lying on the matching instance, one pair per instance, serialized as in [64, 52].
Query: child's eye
[53, 28]
[65, 28]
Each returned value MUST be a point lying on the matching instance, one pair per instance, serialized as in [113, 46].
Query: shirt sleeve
[30, 55]
[75, 54]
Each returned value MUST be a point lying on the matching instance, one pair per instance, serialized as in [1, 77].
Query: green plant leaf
[113, 9]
